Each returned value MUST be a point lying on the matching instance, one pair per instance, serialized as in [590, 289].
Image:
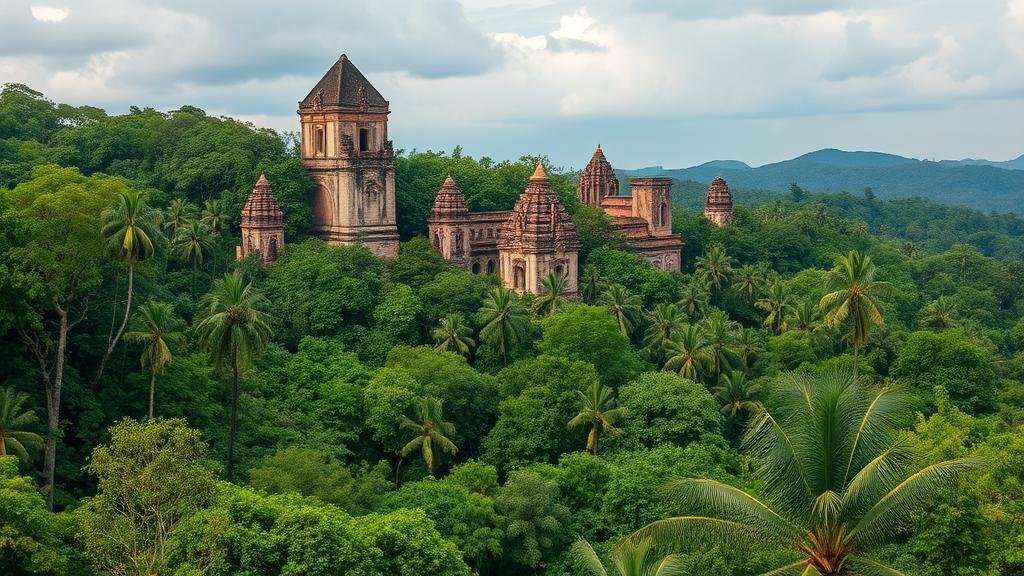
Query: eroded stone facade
[262, 224]
[718, 202]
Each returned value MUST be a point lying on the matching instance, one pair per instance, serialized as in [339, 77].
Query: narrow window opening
[320, 141]
[364, 139]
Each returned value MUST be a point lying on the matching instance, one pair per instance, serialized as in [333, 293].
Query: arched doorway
[519, 277]
[476, 267]
[323, 208]
[490, 266]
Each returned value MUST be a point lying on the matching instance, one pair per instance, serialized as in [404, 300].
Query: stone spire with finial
[449, 204]
[539, 221]
[718, 202]
[598, 180]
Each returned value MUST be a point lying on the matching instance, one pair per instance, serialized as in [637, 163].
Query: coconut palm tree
[157, 327]
[748, 343]
[630, 558]
[663, 325]
[694, 298]
[623, 306]
[430, 432]
[592, 285]
[505, 320]
[805, 316]
[715, 269]
[177, 214]
[191, 244]
[233, 327]
[549, 302]
[838, 480]
[452, 335]
[690, 353]
[778, 303]
[215, 216]
[15, 419]
[720, 333]
[739, 397]
[853, 299]
[129, 230]
[939, 314]
[749, 281]
[600, 412]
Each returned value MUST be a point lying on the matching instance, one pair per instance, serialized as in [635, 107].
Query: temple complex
[718, 202]
[262, 224]
[522, 245]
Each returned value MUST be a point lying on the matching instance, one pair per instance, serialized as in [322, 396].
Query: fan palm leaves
[452, 335]
[854, 299]
[778, 304]
[739, 398]
[130, 232]
[505, 320]
[694, 298]
[838, 480]
[177, 214]
[430, 432]
[748, 343]
[600, 412]
[191, 244]
[690, 353]
[720, 333]
[749, 280]
[939, 314]
[663, 325]
[623, 306]
[554, 287]
[715, 268]
[215, 216]
[805, 316]
[15, 421]
[592, 285]
[156, 326]
[232, 326]
[629, 557]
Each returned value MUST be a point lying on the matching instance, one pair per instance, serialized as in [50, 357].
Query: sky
[655, 82]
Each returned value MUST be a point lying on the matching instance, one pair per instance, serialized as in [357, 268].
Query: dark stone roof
[344, 86]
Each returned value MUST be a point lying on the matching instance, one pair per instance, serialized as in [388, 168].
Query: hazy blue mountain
[1015, 164]
[985, 186]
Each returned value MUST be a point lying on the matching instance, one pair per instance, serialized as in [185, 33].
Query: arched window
[458, 242]
[559, 270]
[490, 266]
[437, 240]
[320, 141]
[664, 215]
[476, 267]
[519, 277]
[272, 249]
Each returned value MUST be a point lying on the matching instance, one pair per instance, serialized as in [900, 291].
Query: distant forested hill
[979, 184]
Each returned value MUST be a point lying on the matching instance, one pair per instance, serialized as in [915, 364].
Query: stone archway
[519, 277]
[323, 207]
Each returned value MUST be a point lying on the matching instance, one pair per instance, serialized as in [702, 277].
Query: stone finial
[538, 172]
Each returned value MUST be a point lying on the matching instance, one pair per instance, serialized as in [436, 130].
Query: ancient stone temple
[262, 224]
[346, 149]
[521, 245]
[718, 202]
[644, 217]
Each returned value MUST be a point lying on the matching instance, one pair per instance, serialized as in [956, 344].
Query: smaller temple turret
[598, 180]
[718, 203]
[448, 223]
[262, 224]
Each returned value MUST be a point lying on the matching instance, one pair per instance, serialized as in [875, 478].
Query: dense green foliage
[335, 413]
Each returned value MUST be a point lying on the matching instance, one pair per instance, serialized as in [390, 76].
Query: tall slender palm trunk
[152, 391]
[120, 331]
[233, 425]
[856, 361]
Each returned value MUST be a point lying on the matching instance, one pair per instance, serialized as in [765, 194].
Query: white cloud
[49, 13]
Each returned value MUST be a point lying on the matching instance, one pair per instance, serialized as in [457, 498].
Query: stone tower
[598, 180]
[262, 224]
[346, 149]
[718, 203]
[539, 237]
[448, 223]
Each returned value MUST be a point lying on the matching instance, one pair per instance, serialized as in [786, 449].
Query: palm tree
[14, 421]
[749, 281]
[939, 314]
[505, 320]
[748, 343]
[623, 306]
[853, 299]
[452, 335]
[591, 284]
[778, 303]
[739, 398]
[720, 333]
[690, 353]
[630, 558]
[554, 286]
[805, 316]
[157, 327]
[663, 325]
[191, 244]
[129, 231]
[178, 214]
[215, 216]
[715, 268]
[430, 431]
[838, 480]
[694, 298]
[600, 412]
[233, 327]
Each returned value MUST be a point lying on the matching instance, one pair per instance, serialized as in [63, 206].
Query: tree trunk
[152, 390]
[117, 336]
[3, 445]
[856, 361]
[398, 468]
[233, 425]
[53, 406]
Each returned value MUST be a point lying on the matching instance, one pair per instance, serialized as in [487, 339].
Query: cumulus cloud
[869, 54]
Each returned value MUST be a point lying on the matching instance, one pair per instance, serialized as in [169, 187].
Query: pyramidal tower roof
[345, 87]
[539, 221]
[718, 196]
[449, 202]
[598, 179]
[261, 208]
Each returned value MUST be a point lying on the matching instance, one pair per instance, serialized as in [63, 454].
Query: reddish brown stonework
[345, 147]
[718, 203]
[262, 224]
[598, 180]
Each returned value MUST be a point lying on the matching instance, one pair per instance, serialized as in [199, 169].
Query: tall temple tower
[718, 203]
[539, 237]
[598, 180]
[346, 149]
[262, 224]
